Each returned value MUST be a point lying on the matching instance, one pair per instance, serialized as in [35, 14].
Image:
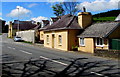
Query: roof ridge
[70, 21]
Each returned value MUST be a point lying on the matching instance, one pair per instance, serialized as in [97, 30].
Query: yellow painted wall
[63, 33]
[10, 30]
[73, 40]
[41, 35]
[105, 46]
[89, 45]
[115, 34]
[84, 19]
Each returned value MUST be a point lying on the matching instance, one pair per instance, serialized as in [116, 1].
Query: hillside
[112, 13]
[106, 16]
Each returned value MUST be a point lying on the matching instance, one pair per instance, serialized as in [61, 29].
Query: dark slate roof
[65, 22]
[37, 27]
[24, 25]
[55, 19]
[2, 24]
[45, 22]
[99, 29]
[118, 18]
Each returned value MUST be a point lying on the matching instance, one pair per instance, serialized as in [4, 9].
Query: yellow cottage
[62, 34]
[99, 36]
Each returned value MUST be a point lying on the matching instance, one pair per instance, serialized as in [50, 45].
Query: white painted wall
[28, 35]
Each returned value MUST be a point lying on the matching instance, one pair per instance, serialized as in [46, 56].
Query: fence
[27, 35]
[115, 44]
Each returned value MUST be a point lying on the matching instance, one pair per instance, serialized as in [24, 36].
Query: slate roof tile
[99, 29]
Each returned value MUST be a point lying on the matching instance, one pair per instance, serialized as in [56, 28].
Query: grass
[27, 42]
[103, 19]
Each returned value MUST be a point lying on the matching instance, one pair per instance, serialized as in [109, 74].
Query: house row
[17, 25]
[68, 32]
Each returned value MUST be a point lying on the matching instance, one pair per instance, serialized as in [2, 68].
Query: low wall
[107, 53]
[28, 35]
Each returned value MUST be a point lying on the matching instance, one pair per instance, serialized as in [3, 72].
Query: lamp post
[18, 20]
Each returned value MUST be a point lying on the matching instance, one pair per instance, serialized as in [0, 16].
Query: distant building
[23, 25]
[2, 26]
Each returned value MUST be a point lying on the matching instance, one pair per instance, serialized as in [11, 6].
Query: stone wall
[107, 53]
[28, 35]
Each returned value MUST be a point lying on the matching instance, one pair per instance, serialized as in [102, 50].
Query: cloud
[32, 5]
[22, 13]
[99, 5]
[55, 1]
[39, 19]
[1, 18]
[0, 14]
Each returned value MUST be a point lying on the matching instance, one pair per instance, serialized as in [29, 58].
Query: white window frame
[51, 21]
[100, 45]
[60, 41]
[47, 39]
[82, 41]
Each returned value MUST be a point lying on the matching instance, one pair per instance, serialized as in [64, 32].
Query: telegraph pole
[18, 20]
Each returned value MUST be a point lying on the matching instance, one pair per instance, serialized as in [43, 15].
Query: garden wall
[107, 53]
[28, 35]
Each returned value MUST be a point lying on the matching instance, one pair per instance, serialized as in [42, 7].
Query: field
[103, 19]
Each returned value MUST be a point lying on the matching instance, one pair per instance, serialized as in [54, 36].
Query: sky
[38, 10]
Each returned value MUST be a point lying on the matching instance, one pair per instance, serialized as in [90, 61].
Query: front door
[53, 40]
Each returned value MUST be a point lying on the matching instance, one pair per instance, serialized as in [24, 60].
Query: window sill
[99, 45]
[60, 44]
[82, 45]
[47, 43]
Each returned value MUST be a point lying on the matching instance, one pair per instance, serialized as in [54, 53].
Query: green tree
[58, 10]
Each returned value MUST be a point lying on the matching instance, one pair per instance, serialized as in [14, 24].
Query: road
[17, 51]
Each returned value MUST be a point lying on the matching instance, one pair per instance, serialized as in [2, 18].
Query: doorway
[53, 40]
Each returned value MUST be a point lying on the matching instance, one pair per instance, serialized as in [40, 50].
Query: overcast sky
[38, 10]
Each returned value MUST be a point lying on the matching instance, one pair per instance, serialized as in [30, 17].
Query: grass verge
[27, 42]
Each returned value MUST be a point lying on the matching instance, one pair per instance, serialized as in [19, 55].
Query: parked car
[16, 39]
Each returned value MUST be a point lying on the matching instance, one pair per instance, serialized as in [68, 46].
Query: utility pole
[18, 20]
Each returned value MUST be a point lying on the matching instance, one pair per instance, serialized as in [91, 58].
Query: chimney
[84, 19]
[10, 30]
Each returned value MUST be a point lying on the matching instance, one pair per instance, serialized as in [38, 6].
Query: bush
[75, 48]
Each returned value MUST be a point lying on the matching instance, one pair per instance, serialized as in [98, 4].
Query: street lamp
[18, 20]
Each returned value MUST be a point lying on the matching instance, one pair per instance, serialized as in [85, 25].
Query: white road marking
[54, 61]
[67, 65]
[98, 74]
[25, 52]
[9, 47]
[13, 48]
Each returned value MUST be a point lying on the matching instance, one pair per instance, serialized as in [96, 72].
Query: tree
[70, 7]
[65, 8]
[58, 9]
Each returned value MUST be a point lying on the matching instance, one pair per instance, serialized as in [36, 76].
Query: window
[41, 35]
[60, 40]
[82, 43]
[99, 41]
[47, 39]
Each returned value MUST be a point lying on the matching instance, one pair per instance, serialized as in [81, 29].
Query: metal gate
[115, 44]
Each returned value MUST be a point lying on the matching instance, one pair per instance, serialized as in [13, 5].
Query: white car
[16, 39]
